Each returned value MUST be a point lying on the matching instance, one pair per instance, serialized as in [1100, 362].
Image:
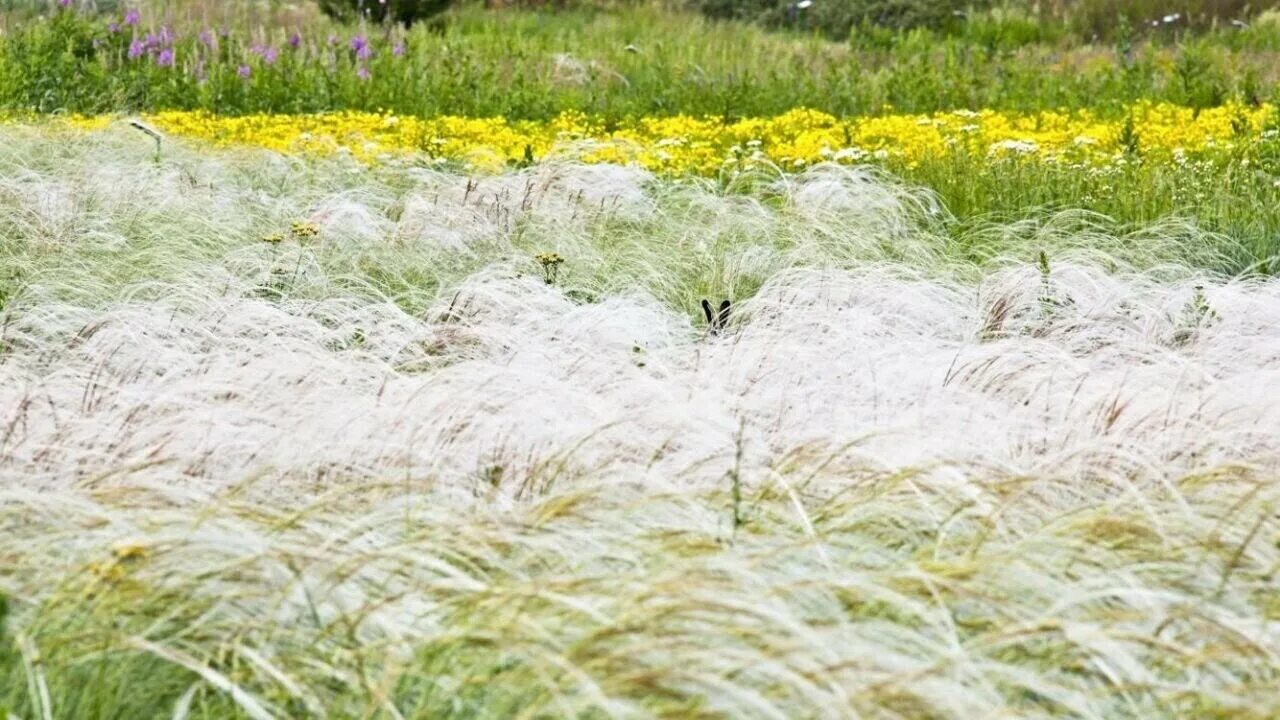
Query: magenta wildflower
[165, 58]
[244, 71]
[113, 27]
[64, 3]
[363, 73]
[267, 53]
[133, 17]
[358, 43]
[136, 48]
[206, 38]
[398, 50]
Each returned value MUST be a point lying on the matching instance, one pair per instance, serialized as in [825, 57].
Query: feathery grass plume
[423, 482]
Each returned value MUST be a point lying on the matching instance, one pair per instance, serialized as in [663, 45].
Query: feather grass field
[287, 437]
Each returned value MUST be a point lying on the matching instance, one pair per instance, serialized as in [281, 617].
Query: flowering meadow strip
[632, 61]
[708, 145]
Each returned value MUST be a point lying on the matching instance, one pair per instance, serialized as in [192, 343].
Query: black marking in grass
[717, 320]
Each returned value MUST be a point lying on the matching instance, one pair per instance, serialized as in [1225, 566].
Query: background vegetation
[616, 62]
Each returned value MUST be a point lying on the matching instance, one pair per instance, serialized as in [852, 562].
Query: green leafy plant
[10, 287]
[1129, 137]
[1199, 76]
[407, 12]
[838, 19]
[1197, 314]
[1047, 302]
[7, 292]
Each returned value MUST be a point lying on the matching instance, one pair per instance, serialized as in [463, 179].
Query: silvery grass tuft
[380, 466]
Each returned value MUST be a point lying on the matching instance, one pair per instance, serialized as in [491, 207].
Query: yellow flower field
[705, 145]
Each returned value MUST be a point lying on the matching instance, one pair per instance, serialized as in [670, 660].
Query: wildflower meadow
[424, 359]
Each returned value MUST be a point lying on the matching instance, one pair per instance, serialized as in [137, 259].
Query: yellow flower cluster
[707, 145]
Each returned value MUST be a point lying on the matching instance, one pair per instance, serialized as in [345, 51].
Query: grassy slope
[393, 468]
[666, 254]
[394, 472]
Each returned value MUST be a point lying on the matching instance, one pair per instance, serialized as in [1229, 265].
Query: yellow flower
[303, 230]
[550, 263]
[684, 144]
[127, 550]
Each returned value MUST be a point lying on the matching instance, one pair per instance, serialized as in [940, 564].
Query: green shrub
[837, 18]
[1103, 19]
[403, 11]
[1009, 27]
[1088, 19]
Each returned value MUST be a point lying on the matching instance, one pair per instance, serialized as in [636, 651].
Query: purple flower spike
[133, 17]
[244, 71]
[206, 38]
[113, 27]
[363, 73]
[295, 41]
[364, 53]
[398, 50]
[136, 48]
[64, 3]
[165, 58]
[358, 43]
